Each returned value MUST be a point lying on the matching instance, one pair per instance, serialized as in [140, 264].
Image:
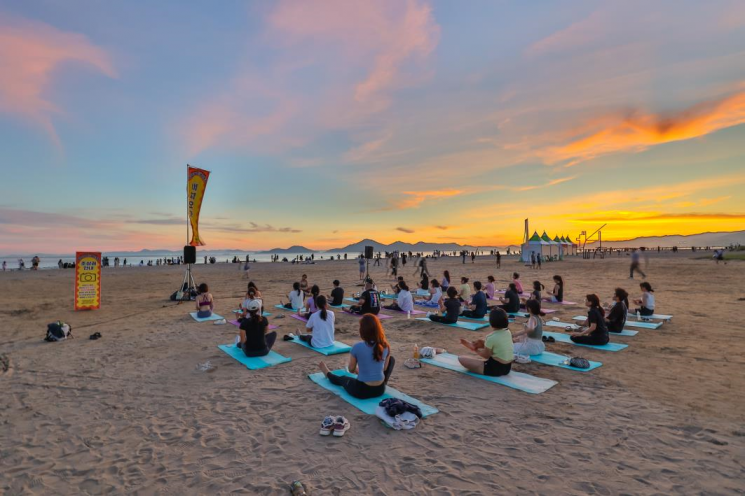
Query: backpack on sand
[58, 331]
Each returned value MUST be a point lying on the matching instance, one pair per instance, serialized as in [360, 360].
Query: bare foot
[324, 368]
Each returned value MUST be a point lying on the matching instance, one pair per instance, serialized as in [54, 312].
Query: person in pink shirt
[490, 289]
[516, 281]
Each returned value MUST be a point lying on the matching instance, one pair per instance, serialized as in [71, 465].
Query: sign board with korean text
[87, 280]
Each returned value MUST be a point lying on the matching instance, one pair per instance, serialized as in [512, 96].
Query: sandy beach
[131, 414]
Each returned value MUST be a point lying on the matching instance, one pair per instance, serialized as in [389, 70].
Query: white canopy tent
[535, 245]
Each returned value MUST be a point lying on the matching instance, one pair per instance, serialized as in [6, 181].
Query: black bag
[58, 331]
[579, 362]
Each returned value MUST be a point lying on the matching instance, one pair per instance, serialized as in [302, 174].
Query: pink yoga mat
[238, 324]
[298, 317]
[358, 315]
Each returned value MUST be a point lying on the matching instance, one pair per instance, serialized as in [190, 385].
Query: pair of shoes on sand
[334, 425]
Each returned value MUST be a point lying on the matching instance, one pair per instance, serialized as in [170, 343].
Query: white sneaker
[236, 341]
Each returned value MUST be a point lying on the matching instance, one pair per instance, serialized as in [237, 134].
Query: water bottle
[416, 351]
[638, 315]
[408, 314]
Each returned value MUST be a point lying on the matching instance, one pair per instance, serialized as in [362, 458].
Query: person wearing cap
[255, 341]
[369, 301]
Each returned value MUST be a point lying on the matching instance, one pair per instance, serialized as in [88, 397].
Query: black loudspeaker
[369, 252]
[190, 254]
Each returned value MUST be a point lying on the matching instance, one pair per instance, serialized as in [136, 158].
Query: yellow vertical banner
[87, 280]
[196, 184]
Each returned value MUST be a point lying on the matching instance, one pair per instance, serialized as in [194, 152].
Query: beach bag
[579, 362]
[58, 331]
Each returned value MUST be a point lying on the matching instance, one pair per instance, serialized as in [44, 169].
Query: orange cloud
[656, 216]
[637, 131]
[29, 53]
[553, 182]
[417, 197]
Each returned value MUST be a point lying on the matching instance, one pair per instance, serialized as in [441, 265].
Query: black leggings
[645, 311]
[306, 338]
[288, 306]
[589, 339]
[359, 389]
[471, 314]
[270, 338]
[393, 306]
[441, 319]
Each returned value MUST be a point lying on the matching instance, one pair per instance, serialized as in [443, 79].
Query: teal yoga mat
[630, 323]
[485, 318]
[263, 314]
[336, 349]
[470, 326]
[214, 316]
[548, 358]
[563, 325]
[369, 405]
[653, 316]
[339, 307]
[286, 309]
[254, 363]
[564, 338]
[515, 380]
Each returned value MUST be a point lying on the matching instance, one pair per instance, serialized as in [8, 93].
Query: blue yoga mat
[254, 363]
[329, 350]
[563, 325]
[214, 316]
[629, 323]
[519, 314]
[564, 338]
[548, 358]
[470, 326]
[263, 314]
[281, 307]
[340, 306]
[369, 405]
[516, 380]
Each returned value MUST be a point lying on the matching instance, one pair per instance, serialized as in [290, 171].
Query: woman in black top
[510, 300]
[593, 329]
[535, 294]
[424, 284]
[255, 341]
[450, 307]
[557, 294]
[617, 315]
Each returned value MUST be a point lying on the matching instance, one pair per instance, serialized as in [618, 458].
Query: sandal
[288, 337]
[548, 339]
[327, 426]
[522, 359]
[95, 335]
[413, 363]
[341, 426]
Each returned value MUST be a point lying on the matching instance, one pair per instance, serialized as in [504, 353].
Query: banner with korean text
[87, 280]
[196, 183]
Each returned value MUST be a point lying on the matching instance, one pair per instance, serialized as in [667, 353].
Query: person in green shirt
[496, 349]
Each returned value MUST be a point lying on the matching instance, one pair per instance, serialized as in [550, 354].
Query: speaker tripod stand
[188, 286]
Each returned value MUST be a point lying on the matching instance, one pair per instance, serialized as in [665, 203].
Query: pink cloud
[29, 53]
[366, 50]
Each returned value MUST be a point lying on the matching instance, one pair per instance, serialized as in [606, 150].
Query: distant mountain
[682, 241]
[291, 249]
[420, 246]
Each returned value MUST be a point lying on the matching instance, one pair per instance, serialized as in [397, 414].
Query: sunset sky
[327, 122]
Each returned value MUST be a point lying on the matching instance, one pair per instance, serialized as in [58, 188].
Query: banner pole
[187, 204]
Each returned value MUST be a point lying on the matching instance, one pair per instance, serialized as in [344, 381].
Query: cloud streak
[637, 130]
[29, 53]
[405, 230]
[416, 198]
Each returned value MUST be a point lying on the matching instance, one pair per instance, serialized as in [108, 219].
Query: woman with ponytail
[311, 305]
[254, 340]
[296, 297]
[593, 330]
[370, 359]
[529, 341]
[321, 325]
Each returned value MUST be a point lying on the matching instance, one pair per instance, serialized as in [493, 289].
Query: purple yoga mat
[238, 324]
[358, 315]
[413, 312]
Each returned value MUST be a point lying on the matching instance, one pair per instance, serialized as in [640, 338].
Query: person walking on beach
[532, 260]
[635, 265]
[5, 265]
[499, 260]
[538, 259]
[361, 261]
[377, 259]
